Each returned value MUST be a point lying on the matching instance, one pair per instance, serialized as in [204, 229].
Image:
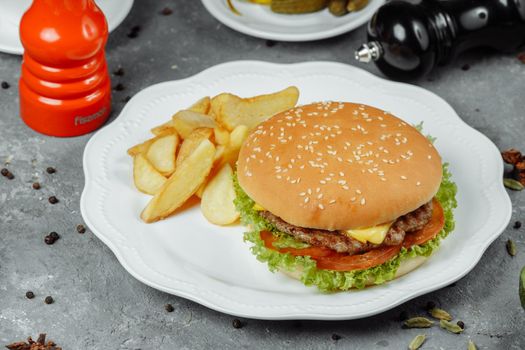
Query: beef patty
[340, 242]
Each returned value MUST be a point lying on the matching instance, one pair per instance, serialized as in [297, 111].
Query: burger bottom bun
[405, 267]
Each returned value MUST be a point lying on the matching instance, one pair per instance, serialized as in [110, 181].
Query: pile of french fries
[195, 153]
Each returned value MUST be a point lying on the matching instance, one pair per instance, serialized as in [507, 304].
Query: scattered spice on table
[430, 305]
[403, 315]
[270, 43]
[515, 158]
[169, 308]
[51, 238]
[119, 87]
[451, 327]
[237, 323]
[166, 11]
[417, 342]
[5, 85]
[51, 170]
[49, 300]
[81, 228]
[36, 185]
[461, 324]
[521, 57]
[471, 345]
[30, 344]
[418, 322]
[511, 247]
[440, 314]
[517, 225]
[53, 200]
[513, 184]
[30, 295]
[134, 32]
[336, 337]
[126, 99]
[119, 72]
[465, 67]
[7, 174]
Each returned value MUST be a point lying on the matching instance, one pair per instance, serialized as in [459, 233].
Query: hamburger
[342, 195]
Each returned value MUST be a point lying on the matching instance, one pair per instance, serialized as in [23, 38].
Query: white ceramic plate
[259, 21]
[11, 12]
[186, 256]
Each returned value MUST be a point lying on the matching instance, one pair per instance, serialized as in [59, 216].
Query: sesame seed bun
[338, 166]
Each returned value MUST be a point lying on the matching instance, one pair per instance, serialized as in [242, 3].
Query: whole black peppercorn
[461, 324]
[126, 99]
[431, 305]
[119, 72]
[169, 308]
[51, 238]
[10, 176]
[30, 295]
[119, 87]
[166, 11]
[53, 200]
[49, 300]
[237, 323]
[133, 35]
[5, 85]
[403, 315]
[336, 337]
[270, 43]
[4, 172]
[465, 67]
[51, 170]
[81, 228]
[517, 225]
[36, 186]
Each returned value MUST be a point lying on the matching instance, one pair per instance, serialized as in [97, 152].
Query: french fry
[230, 110]
[230, 153]
[182, 184]
[144, 146]
[147, 179]
[161, 153]
[217, 199]
[186, 121]
[222, 136]
[201, 106]
[192, 142]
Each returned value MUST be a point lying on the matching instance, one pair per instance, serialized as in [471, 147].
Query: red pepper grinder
[64, 86]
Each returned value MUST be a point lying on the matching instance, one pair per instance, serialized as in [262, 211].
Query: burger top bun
[338, 166]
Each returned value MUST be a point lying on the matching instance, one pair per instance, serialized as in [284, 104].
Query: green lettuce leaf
[327, 280]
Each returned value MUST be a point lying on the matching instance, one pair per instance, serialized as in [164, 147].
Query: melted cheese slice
[374, 234]
[257, 207]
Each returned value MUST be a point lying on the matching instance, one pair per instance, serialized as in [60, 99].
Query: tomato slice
[328, 259]
[431, 230]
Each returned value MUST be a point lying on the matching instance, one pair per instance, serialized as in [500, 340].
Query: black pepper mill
[407, 39]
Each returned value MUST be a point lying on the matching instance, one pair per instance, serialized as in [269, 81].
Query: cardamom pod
[418, 322]
[511, 247]
[471, 345]
[417, 342]
[451, 327]
[512, 184]
[440, 314]
[522, 287]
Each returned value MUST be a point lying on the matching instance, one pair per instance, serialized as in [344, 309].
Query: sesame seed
[403, 177]
[307, 199]
[321, 206]
[418, 183]
[332, 201]
[363, 201]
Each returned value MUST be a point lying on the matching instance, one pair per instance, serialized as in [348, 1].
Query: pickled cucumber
[356, 5]
[337, 7]
[297, 6]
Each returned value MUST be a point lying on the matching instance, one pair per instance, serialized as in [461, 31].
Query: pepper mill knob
[368, 52]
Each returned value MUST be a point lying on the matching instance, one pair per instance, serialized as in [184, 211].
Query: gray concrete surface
[98, 305]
